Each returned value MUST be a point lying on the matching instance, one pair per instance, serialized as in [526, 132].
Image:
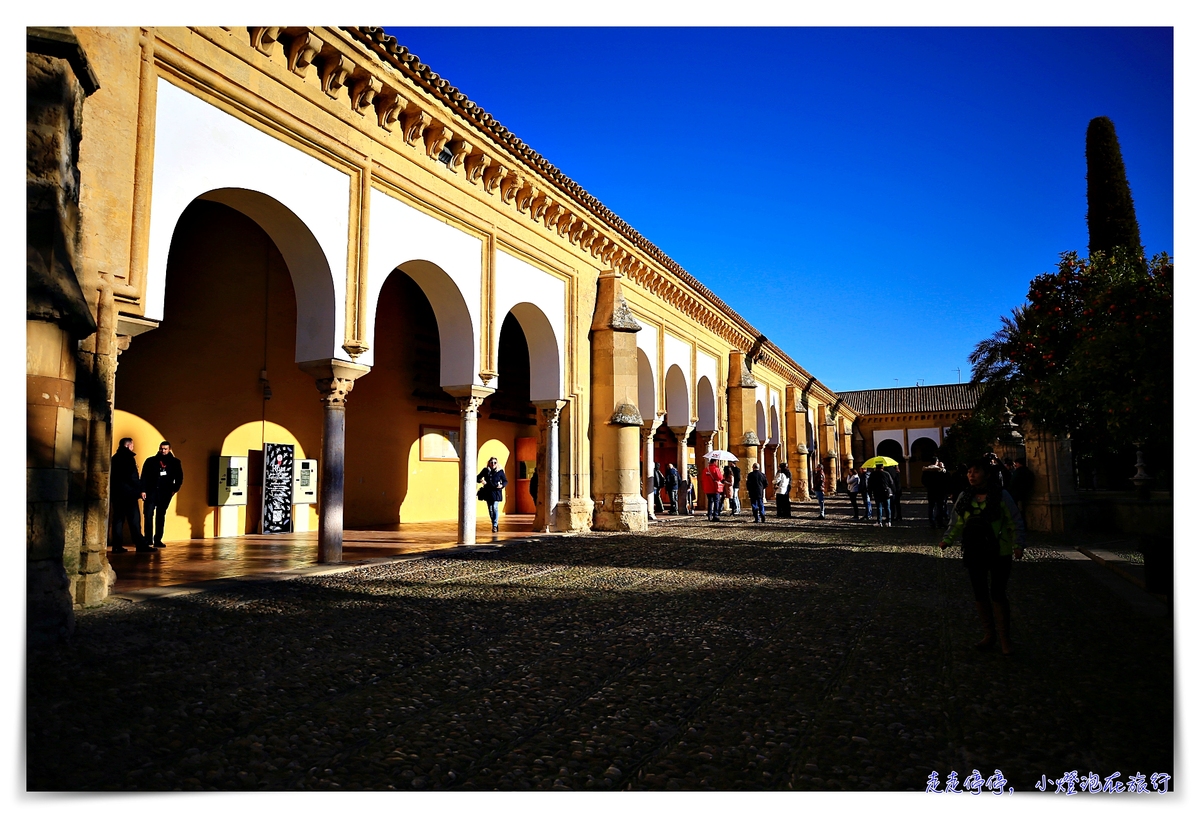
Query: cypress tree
[1110, 217]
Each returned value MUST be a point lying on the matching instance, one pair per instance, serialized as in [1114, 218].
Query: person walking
[783, 485]
[819, 488]
[671, 483]
[852, 490]
[492, 491]
[162, 477]
[736, 501]
[711, 484]
[756, 487]
[880, 484]
[993, 534]
[124, 491]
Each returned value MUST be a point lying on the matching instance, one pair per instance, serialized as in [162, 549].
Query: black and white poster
[277, 487]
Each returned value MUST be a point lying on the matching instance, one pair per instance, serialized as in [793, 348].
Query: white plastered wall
[301, 202]
[878, 436]
[647, 342]
[774, 422]
[706, 367]
[934, 434]
[450, 277]
[677, 352]
[517, 282]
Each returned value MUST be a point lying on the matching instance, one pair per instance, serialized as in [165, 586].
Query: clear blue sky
[872, 199]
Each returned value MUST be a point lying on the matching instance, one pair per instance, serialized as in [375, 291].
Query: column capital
[750, 439]
[650, 424]
[468, 397]
[682, 431]
[549, 409]
[335, 378]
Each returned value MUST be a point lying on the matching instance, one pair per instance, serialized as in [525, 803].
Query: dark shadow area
[643, 662]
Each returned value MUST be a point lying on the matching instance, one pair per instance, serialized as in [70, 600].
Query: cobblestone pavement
[798, 654]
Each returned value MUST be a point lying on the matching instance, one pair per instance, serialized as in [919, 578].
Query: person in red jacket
[712, 484]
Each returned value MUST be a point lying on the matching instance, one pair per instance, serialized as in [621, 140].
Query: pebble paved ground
[798, 654]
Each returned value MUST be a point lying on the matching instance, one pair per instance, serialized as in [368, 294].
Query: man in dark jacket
[882, 489]
[162, 475]
[756, 487]
[1022, 483]
[124, 491]
[933, 478]
[658, 486]
[671, 482]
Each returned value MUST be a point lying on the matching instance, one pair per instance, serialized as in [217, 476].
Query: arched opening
[508, 419]
[224, 356]
[890, 448]
[679, 410]
[402, 426]
[923, 452]
[760, 423]
[647, 397]
[706, 406]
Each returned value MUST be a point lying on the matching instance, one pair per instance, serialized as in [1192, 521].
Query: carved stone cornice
[334, 379]
[385, 75]
[626, 414]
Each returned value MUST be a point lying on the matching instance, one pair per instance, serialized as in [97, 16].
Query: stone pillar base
[49, 615]
[619, 512]
[574, 515]
[1051, 515]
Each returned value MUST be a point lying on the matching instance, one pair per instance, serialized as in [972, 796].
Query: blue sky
[872, 199]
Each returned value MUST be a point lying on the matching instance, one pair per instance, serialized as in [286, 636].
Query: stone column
[847, 446]
[616, 484]
[648, 429]
[335, 379]
[681, 434]
[547, 463]
[1053, 504]
[795, 420]
[742, 395]
[469, 398]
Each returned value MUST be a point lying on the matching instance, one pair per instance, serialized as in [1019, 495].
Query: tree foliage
[1090, 352]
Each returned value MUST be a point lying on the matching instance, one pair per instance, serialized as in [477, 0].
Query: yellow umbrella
[878, 460]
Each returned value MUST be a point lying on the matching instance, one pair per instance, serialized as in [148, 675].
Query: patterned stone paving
[797, 654]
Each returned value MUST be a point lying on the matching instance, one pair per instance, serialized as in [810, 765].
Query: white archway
[458, 350]
[679, 409]
[761, 422]
[774, 427]
[545, 363]
[201, 152]
[647, 398]
[706, 406]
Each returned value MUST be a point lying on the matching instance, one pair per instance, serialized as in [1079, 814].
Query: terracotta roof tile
[949, 397]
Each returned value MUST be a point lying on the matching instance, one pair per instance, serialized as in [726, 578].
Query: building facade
[304, 236]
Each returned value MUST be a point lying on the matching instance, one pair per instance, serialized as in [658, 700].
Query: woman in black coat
[492, 490]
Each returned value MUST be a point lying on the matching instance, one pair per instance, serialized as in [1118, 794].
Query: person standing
[819, 488]
[897, 492]
[864, 492]
[124, 491]
[933, 478]
[993, 534]
[756, 487]
[783, 485]
[727, 488]
[1022, 484]
[492, 491]
[852, 490]
[712, 484]
[735, 506]
[880, 484]
[671, 482]
[162, 477]
[658, 485]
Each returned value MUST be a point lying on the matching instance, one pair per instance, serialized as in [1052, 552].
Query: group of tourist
[159, 481]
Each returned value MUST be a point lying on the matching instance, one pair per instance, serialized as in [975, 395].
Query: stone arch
[647, 397]
[201, 152]
[679, 409]
[545, 363]
[890, 448]
[460, 353]
[311, 276]
[760, 419]
[706, 406]
[923, 449]
[774, 424]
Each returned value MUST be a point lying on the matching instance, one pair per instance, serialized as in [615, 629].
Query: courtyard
[800, 654]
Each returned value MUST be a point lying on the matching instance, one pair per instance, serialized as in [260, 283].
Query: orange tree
[1090, 353]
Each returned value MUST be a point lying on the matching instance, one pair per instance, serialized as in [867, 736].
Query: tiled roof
[948, 397]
